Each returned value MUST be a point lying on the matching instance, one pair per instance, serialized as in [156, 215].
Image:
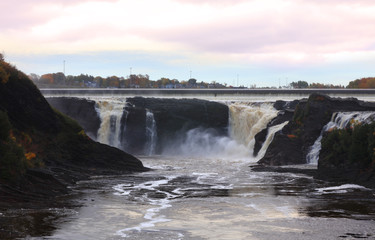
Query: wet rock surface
[173, 118]
[293, 142]
[57, 151]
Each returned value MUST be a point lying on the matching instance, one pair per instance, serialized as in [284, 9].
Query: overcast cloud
[270, 34]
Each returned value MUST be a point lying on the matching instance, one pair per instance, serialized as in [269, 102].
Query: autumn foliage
[363, 83]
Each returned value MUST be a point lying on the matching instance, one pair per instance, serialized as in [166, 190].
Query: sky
[237, 42]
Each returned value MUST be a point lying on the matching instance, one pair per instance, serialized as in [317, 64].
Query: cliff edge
[42, 151]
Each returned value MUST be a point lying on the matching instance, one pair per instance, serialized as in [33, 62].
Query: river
[198, 198]
[207, 188]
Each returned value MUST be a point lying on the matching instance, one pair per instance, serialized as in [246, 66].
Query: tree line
[362, 83]
[133, 81]
[143, 81]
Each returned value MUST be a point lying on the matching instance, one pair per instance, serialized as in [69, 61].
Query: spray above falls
[176, 127]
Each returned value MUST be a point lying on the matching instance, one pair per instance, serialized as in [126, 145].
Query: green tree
[299, 84]
[192, 82]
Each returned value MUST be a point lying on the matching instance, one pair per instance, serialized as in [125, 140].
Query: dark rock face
[173, 117]
[293, 142]
[64, 153]
[134, 136]
[348, 155]
[82, 110]
[286, 111]
[24, 104]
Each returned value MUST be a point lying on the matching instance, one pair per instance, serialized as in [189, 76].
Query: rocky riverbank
[292, 144]
[43, 151]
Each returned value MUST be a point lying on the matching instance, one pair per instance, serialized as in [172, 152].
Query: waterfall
[110, 113]
[339, 120]
[246, 120]
[151, 133]
[271, 133]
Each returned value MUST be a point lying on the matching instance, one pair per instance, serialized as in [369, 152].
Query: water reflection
[170, 203]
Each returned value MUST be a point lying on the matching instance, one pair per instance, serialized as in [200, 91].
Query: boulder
[293, 142]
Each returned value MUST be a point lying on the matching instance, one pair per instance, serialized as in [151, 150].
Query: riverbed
[206, 198]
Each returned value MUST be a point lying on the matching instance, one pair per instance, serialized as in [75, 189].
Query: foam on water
[151, 216]
[340, 189]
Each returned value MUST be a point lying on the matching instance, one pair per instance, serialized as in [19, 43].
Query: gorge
[201, 152]
[210, 169]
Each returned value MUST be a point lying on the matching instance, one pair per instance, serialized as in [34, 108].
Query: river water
[206, 188]
[213, 198]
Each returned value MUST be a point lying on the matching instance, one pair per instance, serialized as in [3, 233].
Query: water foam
[246, 120]
[110, 113]
[151, 216]
[340, 189]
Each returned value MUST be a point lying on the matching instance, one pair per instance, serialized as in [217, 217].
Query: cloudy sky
[245, 42]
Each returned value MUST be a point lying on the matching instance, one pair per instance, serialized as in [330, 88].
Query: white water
[110, 113]
[339, 120]
[207, 191]
[151, 134]
[246, 120]
[271, 133]
[340, 189]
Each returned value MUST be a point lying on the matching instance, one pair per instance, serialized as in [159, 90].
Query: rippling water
[198, 198]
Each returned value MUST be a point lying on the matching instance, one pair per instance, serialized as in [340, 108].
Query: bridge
[211, 94]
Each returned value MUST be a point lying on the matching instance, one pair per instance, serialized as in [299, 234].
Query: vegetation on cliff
[38, 143]
[349, 154]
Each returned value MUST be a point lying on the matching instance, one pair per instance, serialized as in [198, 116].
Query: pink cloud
[23, 13]
[295, 27]
[316, 28]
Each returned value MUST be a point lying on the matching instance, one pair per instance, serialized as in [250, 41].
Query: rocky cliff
[42, 150]
[348, 154]
[173, 118]
[293, 142]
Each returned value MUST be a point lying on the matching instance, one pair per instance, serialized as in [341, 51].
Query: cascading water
[151, 134]
[271, 133]
[339, 120]
[246, 120]
[110, 113]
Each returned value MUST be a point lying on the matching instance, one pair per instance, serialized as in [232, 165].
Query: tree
[362, 83]
[59, 78]
[192, 82]
[34, 77]
[47, 79]
[299, 84]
